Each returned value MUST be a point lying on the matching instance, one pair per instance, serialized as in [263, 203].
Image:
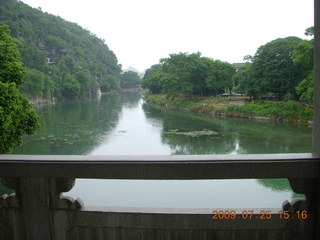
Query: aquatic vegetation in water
[204, 132]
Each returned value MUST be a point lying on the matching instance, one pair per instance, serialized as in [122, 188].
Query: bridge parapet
[39, 210]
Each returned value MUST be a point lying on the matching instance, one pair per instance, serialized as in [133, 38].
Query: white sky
[140, 32]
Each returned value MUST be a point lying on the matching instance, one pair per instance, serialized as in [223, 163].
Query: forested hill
[63, 60]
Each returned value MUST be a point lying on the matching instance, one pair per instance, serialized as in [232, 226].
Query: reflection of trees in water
[279, 185]
[197, 145]
[73, 127]
[186, 133]
[234, 135]
[130, 99]
[255, 137]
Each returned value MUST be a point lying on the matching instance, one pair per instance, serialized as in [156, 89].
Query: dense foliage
[17, 117]
[290, 111]
[130, 79]
[62, 59]
[303, 55]
[274, 69]
[189, 74]
[282, 68]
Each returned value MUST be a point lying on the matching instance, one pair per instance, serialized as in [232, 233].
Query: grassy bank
[289, 111]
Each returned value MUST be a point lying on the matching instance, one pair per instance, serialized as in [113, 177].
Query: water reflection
[73, 127]
[132, 136]
[130, 100]
[123, 124]
[187, 133]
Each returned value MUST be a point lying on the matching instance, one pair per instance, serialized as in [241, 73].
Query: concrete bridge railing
[38, 210]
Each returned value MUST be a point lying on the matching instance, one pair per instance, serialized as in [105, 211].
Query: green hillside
[63, 60]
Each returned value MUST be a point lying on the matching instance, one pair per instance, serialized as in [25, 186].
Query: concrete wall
[38, 210]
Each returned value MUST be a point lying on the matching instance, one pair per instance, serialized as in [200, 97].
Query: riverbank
[35, 100]
[240, 107]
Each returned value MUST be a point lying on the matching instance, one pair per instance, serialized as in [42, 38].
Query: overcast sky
[140, 32]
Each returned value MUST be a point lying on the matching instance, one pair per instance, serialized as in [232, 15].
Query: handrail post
[35, 209]
[316, 113]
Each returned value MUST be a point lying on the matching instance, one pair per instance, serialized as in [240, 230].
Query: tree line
[88, 65]
[62, 59]
[282, 69]
[17, 116]
[189, 74]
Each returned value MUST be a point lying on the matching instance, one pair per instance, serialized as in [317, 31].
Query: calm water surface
[123, 124]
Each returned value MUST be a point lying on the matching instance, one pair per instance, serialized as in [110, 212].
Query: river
[123, 124]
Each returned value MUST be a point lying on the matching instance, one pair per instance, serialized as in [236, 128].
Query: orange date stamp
[261, 214]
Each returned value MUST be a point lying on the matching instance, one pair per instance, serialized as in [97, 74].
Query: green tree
[176, 71]
[49, 87]
[43, 37]
[309, 31]
[273, 67]
[31, 56]
[305, 89]
[37, 84]
[113, 81]
[219, 77]
[71, 87]
[189, 74]
[303, 57]
[183, 73]
[11, 70]
[152, 79]
[85, 80]
[246, 83]
[33, 83]
[130, 80]
[17, 117]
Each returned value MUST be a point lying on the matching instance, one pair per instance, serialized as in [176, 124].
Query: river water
[123, 124]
